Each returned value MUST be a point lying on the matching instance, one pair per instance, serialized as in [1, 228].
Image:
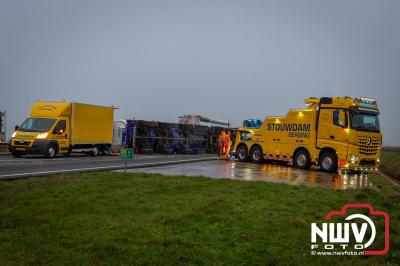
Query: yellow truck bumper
[27, 146]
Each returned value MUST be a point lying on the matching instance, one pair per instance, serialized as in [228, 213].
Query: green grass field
[109, 218]
[391, 163]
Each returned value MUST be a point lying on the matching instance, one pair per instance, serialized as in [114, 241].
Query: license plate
[20, 149]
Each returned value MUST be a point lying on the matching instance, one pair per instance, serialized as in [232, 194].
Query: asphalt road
[15, 168]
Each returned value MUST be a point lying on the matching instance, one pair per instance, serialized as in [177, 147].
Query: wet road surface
[26, 166]
[14, 168]
[263, 172]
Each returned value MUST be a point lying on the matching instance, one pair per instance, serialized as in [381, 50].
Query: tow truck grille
[367, 162]
[369, 146]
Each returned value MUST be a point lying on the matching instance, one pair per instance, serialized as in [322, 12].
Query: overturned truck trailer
[214, 128]
[149, 137]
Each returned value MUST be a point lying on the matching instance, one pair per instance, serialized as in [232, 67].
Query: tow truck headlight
[354, 159]
[42, 136]
[13, 134]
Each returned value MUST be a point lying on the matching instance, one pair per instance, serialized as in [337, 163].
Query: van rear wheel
[51, 151]
[302, 160]
[94, 152]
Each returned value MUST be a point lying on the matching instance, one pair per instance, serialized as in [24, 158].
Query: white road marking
[99, 168]
[87, 159]
[390, 179]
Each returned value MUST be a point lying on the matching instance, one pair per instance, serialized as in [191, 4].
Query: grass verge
[391, 163]
[110, 218]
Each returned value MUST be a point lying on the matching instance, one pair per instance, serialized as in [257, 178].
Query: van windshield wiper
[29, 130]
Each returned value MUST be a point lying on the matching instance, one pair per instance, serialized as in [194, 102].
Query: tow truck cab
[332, 132]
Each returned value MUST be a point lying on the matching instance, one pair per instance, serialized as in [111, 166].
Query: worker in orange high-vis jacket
[221, 143]
[227, 146]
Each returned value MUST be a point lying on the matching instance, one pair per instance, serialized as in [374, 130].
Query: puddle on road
[262, 172]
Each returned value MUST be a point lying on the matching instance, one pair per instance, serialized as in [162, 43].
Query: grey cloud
[226, 59]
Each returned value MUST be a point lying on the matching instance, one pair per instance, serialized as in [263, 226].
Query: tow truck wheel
[256, 155]
[51, 151]
[328, 162]
[302, 160]
[242, 153]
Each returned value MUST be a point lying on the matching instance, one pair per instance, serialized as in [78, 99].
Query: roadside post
[126, 154]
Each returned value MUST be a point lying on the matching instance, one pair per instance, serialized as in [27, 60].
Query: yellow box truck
[331, 132]
[62, 127]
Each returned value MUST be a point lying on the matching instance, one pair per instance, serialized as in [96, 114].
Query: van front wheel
[51, 151]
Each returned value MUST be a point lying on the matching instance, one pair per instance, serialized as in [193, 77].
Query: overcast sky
[229, 60]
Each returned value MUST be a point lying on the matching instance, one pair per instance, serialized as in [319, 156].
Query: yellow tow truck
[331, 132]
[62, 127]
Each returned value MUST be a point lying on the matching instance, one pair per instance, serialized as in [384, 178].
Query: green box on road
[126, 153]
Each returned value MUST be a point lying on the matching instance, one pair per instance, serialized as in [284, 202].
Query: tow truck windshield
[364, 121]
[37, 124]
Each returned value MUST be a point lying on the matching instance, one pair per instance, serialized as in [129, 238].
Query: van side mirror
[58, 131]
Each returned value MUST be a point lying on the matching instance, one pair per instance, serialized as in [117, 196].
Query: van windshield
[364, 121]
[37, 124]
